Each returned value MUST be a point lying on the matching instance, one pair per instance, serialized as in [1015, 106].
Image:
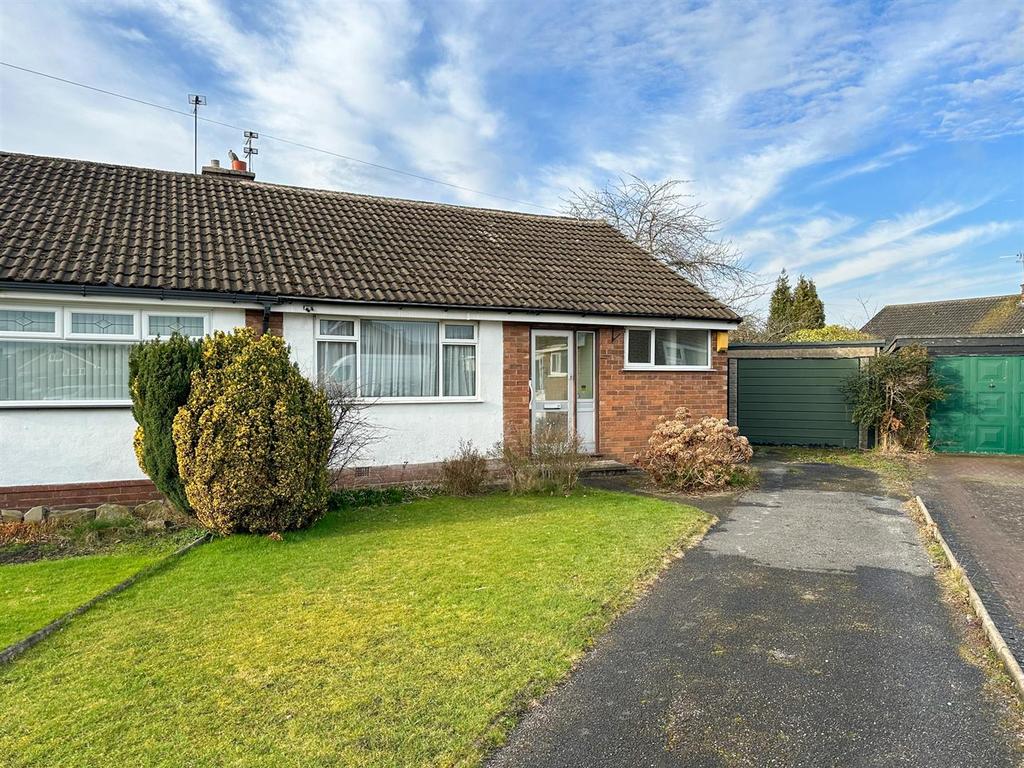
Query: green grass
[34, 594]
[403, 635]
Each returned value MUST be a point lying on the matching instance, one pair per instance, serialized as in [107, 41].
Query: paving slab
[807, 629]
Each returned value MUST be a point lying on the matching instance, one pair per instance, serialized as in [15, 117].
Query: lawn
[34, 594]
[403, 635]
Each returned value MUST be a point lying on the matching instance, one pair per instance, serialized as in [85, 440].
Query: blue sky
[877, 147]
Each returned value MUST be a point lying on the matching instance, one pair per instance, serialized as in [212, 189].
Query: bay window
[668, 348]
[398, 359]
[78, 356]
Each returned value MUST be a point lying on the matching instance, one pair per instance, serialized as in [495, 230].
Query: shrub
[159, 379]
[254, 439]
[550, 460]
[892, 393]
[693, 455]
[827, 333]
[465, 473]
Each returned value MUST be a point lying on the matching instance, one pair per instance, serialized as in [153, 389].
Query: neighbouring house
[978, 350]
[456, 323]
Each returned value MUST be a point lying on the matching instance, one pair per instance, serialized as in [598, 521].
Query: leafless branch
[667, 222]
[353, 431]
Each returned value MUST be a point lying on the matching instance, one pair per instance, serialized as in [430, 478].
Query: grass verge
[974, 644]
[397, 635]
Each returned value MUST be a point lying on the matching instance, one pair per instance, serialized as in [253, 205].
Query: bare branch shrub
[693, 455]
[551, 460]
[465, 473]
[353, 431]
[666, 221]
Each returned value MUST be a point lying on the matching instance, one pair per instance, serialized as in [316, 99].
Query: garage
[793, 394]
[984, 412]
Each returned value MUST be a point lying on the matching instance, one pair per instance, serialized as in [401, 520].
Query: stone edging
[11, 652]
[995, 637]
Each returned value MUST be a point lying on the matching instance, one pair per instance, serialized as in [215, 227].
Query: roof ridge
[951, 301]
[298, 188]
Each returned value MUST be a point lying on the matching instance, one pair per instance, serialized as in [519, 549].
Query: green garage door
[984, 412]
[795, 402]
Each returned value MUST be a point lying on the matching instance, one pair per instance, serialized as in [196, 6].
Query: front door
[551, 381]
[563, 383]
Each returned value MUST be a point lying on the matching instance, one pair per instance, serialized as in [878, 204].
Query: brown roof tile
[70, 221]
[987, 315]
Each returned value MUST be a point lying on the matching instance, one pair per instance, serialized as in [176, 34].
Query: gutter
[165, 294]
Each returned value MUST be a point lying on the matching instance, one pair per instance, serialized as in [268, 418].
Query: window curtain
[63, 371]
[398, 358]
[459, 370]
[337, 361]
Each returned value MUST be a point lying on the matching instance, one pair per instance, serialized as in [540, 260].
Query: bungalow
[457, 323]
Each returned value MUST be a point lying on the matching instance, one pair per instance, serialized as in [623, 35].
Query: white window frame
[135, 335]
[147, 313]
[441, 343]
[58, 323]
[651, 366]
[62, 334]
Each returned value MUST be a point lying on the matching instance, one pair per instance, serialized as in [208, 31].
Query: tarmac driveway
[805, 630]
[978, 503]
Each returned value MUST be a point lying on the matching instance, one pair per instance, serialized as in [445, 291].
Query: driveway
[978, 503]
[805, 630]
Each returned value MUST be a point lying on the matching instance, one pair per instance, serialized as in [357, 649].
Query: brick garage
[629, 403]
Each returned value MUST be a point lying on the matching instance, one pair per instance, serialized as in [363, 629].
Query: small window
[102, 324]
[676, 348]
[28, 321]
[186, 325]
[343, 328]
[453, 332]
[638, 346]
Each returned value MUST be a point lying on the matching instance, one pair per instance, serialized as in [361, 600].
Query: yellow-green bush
[827, 333]
[253, 440]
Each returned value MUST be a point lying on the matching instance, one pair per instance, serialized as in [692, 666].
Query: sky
[875, 147]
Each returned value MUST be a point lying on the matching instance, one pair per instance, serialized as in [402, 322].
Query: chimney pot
[215, 163]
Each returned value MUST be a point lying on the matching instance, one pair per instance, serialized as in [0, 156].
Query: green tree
[808, 309]
[159, 379]
[780, 308]
[254, 439]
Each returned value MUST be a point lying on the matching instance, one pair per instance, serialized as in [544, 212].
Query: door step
[603, 467]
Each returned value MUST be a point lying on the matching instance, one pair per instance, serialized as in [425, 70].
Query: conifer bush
[253, 441]
[159, 380]
[683, 454]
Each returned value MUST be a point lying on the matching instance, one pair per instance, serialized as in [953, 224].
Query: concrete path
[805, 630]
[978, 503]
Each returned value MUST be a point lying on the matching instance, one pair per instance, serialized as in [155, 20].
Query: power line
[280, 139]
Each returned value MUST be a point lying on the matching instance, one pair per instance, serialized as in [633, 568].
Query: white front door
[586, 394]
[551, 379]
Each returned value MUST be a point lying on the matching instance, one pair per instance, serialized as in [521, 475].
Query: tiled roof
[84, 223]
[985, 316]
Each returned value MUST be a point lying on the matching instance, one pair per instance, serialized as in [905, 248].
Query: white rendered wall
[49, 446]
[417, 433]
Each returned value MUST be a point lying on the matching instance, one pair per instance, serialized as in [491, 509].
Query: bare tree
[667, 221]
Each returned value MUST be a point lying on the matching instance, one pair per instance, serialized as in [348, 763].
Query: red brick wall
[78, 494]
[254, 320]
[630, 402]
[516, 386]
